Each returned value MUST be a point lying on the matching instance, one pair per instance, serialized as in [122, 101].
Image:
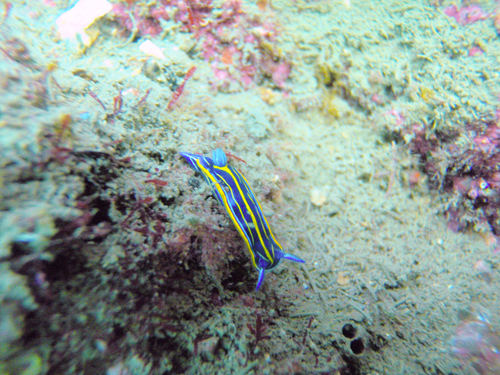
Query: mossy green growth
[14, 299]
[137, 366]
[33, 226]
[13, 289]
[28, 363]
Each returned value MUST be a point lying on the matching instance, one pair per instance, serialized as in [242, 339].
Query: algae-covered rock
[13, 288]
[15, 299]
[31, 227]
[28, 363]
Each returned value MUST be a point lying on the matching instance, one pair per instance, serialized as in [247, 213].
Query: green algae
[124, 299]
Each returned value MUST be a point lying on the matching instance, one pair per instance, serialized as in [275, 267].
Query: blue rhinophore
[233, 192]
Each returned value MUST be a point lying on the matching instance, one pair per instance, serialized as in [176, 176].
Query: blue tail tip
[293, 258]
[262, 267]
[262, 273]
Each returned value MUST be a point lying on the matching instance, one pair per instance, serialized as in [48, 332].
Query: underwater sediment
[368, 133]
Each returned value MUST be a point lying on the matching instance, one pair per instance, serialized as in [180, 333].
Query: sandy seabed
[115, 259]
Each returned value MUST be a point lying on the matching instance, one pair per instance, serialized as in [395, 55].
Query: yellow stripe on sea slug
[254, 221]
[269, 257]
[222, 193]
[255, 202]
[268, 227]
[239, 208]
[267, 224]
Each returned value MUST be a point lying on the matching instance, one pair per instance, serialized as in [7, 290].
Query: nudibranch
[233, 192]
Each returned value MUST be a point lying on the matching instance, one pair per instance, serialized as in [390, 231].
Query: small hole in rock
[357, 346]
[349, 331]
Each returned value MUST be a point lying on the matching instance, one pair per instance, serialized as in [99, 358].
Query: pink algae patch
[475, 51]
[465, 15]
